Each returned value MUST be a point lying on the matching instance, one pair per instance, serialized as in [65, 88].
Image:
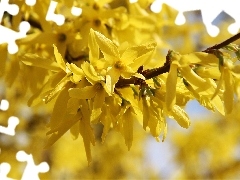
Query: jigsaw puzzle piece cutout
[11, 36]
[209, 10]
[4, 170]
[12, 9]
[10, 129]
[31, 171]
[30, 2]
[59, 19]
[76, 11]
[51, 16]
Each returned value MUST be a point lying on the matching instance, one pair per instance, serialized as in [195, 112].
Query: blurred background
[209, 149]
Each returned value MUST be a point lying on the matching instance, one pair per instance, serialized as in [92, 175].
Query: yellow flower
[228, 76]
[124, 64]
[97, 91]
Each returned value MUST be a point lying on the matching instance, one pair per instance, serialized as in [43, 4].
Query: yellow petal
[86, 130]
[93, 47]
[72, 106]
[193, 78]
[106, 120]
[91, 73]
[112, 78]
[180, 116]
[97, 105]
[145, 112]
[217, 102]
[144, 54]
[74, 130]
[49, 85]
[128, 56]
[35, 60]
[171, 83]
[208, 72]
[87, 92]
[108, 48]
[53, 93]
[60, 109]
[59, 130]
[128, 118]
[164, 130]
[59, 58]
[198, 58]
[77, 73]
[228, 92]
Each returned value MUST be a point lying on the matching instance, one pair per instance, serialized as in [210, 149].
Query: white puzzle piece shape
[4, 170]
[30, 2]
[31, 171]
[209, 10]
[11, 36]
[10, 129]
[51, 16]
[12, 9]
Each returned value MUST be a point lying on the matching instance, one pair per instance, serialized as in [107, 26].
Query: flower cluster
[105, 67]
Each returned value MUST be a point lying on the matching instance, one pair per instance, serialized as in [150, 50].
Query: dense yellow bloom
[119, 62]
[108, 68]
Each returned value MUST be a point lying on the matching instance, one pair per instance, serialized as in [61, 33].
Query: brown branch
[150, 73]
[223, 44]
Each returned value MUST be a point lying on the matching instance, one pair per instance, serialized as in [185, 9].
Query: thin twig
[224, 43]
[150, 73]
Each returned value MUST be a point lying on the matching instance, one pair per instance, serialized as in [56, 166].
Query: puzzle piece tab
[12, 123]
[209, 10]
[58, 18]
[30, 2]
[12, 9]
[4, 170]
[51, 16]
[11, 36]
[31, 171]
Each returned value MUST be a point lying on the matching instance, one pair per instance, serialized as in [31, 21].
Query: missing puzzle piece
[7, 35]
[11, 36]
[31, 171]
[4, 170]
[12, 9]
[10, 129]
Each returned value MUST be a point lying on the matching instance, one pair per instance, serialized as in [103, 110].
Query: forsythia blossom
[107, 66]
